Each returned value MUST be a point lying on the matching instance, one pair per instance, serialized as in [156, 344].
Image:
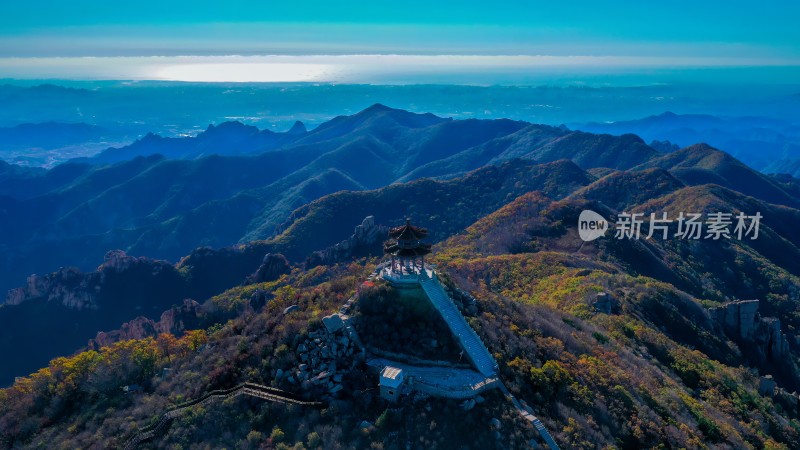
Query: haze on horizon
[369, 42]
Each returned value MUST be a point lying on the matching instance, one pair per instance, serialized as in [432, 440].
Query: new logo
[591, 225]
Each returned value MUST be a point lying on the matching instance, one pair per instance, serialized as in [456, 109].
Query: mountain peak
[701, 147]
[150, 137]
[298, 128]
[377, 107]
[231, 125]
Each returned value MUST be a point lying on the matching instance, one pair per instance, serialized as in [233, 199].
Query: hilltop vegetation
[77, 401]
[651, 369]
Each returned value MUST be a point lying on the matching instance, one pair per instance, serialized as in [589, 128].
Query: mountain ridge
[161, 209]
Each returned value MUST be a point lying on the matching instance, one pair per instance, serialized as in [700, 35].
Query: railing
[471, 388]
[251, 389]
[527, 413]
[480, 356]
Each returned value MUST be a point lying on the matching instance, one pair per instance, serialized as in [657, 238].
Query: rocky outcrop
[605, 303]
[761, 336]
[739, 318]
[325, 358]
[174, 320]
[772, 339]
[271, 268]
[367, 238]
[75, 289]
[766, 385]
[67, 285]
[117, 260]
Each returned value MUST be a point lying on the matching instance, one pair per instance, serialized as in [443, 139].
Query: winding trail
[251, 389]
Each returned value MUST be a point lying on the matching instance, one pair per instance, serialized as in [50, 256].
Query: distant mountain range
[49, 135]
[47, 144]
[163, 208]
[234, 183]
[226, 139]
[768, 145]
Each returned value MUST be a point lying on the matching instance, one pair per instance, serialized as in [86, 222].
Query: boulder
[766, 386]
[333, 323]
[605, 303]
[323, 375]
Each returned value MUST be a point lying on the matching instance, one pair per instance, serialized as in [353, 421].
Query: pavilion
[406, 248]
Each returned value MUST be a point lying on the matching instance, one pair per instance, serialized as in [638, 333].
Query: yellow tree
[193, 339]
[167, 345]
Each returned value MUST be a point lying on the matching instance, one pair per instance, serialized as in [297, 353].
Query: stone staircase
[469, 340]
[548, 439]
[251, 389]
[527, 413]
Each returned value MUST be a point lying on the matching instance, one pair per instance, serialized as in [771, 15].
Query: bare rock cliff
[366, 239]
[759, 335]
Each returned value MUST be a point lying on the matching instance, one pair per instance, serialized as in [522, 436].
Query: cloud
[365, 68]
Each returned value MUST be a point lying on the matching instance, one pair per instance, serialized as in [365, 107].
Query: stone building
[391, 383]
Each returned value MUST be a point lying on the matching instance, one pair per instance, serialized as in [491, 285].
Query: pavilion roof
[393, 248]
[408, 232]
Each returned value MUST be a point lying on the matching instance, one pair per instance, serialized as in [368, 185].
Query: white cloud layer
[352, 68]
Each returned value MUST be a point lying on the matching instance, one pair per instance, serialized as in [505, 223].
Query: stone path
[527, 413]
[251, 389]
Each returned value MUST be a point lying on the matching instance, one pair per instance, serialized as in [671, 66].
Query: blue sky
[49, 38]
